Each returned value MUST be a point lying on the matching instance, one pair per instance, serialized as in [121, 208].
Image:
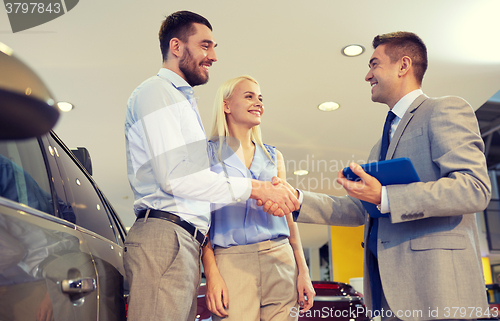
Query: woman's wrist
[303, 270]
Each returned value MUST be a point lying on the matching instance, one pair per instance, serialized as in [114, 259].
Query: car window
[23, 175]
[118, 227]
[85, 201]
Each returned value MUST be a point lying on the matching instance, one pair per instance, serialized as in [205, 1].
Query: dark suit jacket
[428, 249]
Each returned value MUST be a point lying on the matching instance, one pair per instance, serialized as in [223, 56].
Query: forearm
[320, 208]
[296, 244]
[208, 260]
[211, 187]
[456, 195]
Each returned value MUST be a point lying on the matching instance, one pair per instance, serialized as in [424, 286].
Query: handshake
[277, 198]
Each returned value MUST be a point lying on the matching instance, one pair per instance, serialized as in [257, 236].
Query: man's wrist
[384, 201]
[300, 196]
[256, 186]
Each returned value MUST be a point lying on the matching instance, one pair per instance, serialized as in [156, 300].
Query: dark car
[334, 300]
[60, 240]
[493, 295]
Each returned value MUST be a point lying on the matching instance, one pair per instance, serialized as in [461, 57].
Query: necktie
[386, 135]
[375, 282]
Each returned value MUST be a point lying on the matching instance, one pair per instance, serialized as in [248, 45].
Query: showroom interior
[95, 55]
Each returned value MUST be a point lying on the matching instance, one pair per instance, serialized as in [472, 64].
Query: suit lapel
[402, 125]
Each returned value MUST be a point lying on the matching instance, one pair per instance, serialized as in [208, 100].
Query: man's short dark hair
[179, 25]
[399, 44]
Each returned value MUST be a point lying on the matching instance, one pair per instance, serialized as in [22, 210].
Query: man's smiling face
[383, 77]
[198, 56]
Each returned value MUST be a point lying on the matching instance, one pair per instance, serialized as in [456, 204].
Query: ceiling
[97, 53]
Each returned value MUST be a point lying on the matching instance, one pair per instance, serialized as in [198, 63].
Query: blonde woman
[254, 263]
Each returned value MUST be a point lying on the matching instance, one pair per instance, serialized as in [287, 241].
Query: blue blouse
[244, 222]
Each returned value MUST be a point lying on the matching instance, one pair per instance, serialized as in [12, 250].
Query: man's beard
[191, 70]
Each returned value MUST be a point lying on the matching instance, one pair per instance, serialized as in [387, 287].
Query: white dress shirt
[167, 161]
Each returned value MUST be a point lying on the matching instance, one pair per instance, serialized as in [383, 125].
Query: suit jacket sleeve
[456, 182]
[331, 210]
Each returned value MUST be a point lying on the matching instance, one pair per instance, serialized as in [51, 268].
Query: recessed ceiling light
[65, 106]
[353, 50]
[328, 106]
[6, 49]
[301, 172]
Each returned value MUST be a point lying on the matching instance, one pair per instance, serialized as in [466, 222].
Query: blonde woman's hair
[219, 125]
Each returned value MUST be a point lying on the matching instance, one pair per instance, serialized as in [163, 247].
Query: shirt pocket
[448, 241]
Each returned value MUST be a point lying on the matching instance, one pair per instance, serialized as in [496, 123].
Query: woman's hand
[45, 312]
[216, 295]
[305, 289]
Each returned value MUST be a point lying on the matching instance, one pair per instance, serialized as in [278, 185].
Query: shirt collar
[402, 105]
[177, 81]
[259, 160]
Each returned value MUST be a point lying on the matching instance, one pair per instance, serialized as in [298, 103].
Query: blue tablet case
[387, 172]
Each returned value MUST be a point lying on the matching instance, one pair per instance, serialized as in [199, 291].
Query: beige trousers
[162, 263]
[261, 280]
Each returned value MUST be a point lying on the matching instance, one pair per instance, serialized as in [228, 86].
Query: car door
[99, 226]
[46, 268]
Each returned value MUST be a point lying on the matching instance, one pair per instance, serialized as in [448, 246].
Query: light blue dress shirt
[167, 160]
[244, 222]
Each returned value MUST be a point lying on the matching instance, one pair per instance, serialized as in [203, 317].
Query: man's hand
[281, 195]
[367, 189]
[273, 208]
[216, 295]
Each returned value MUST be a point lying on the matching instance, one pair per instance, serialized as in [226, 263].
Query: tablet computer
[388, 172]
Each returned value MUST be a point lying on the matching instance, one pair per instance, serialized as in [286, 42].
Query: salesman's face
[383, 78]
[198, 55]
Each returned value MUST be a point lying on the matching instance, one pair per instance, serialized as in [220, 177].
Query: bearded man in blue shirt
[169, 172]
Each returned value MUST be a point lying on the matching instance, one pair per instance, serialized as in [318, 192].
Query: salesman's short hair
[399, 44]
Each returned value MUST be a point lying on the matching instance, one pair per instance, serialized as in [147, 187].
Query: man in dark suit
[422, 259]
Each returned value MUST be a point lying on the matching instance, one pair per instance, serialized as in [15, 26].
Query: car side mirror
[27, 108]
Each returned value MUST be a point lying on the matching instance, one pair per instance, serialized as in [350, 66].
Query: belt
[200, 237]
